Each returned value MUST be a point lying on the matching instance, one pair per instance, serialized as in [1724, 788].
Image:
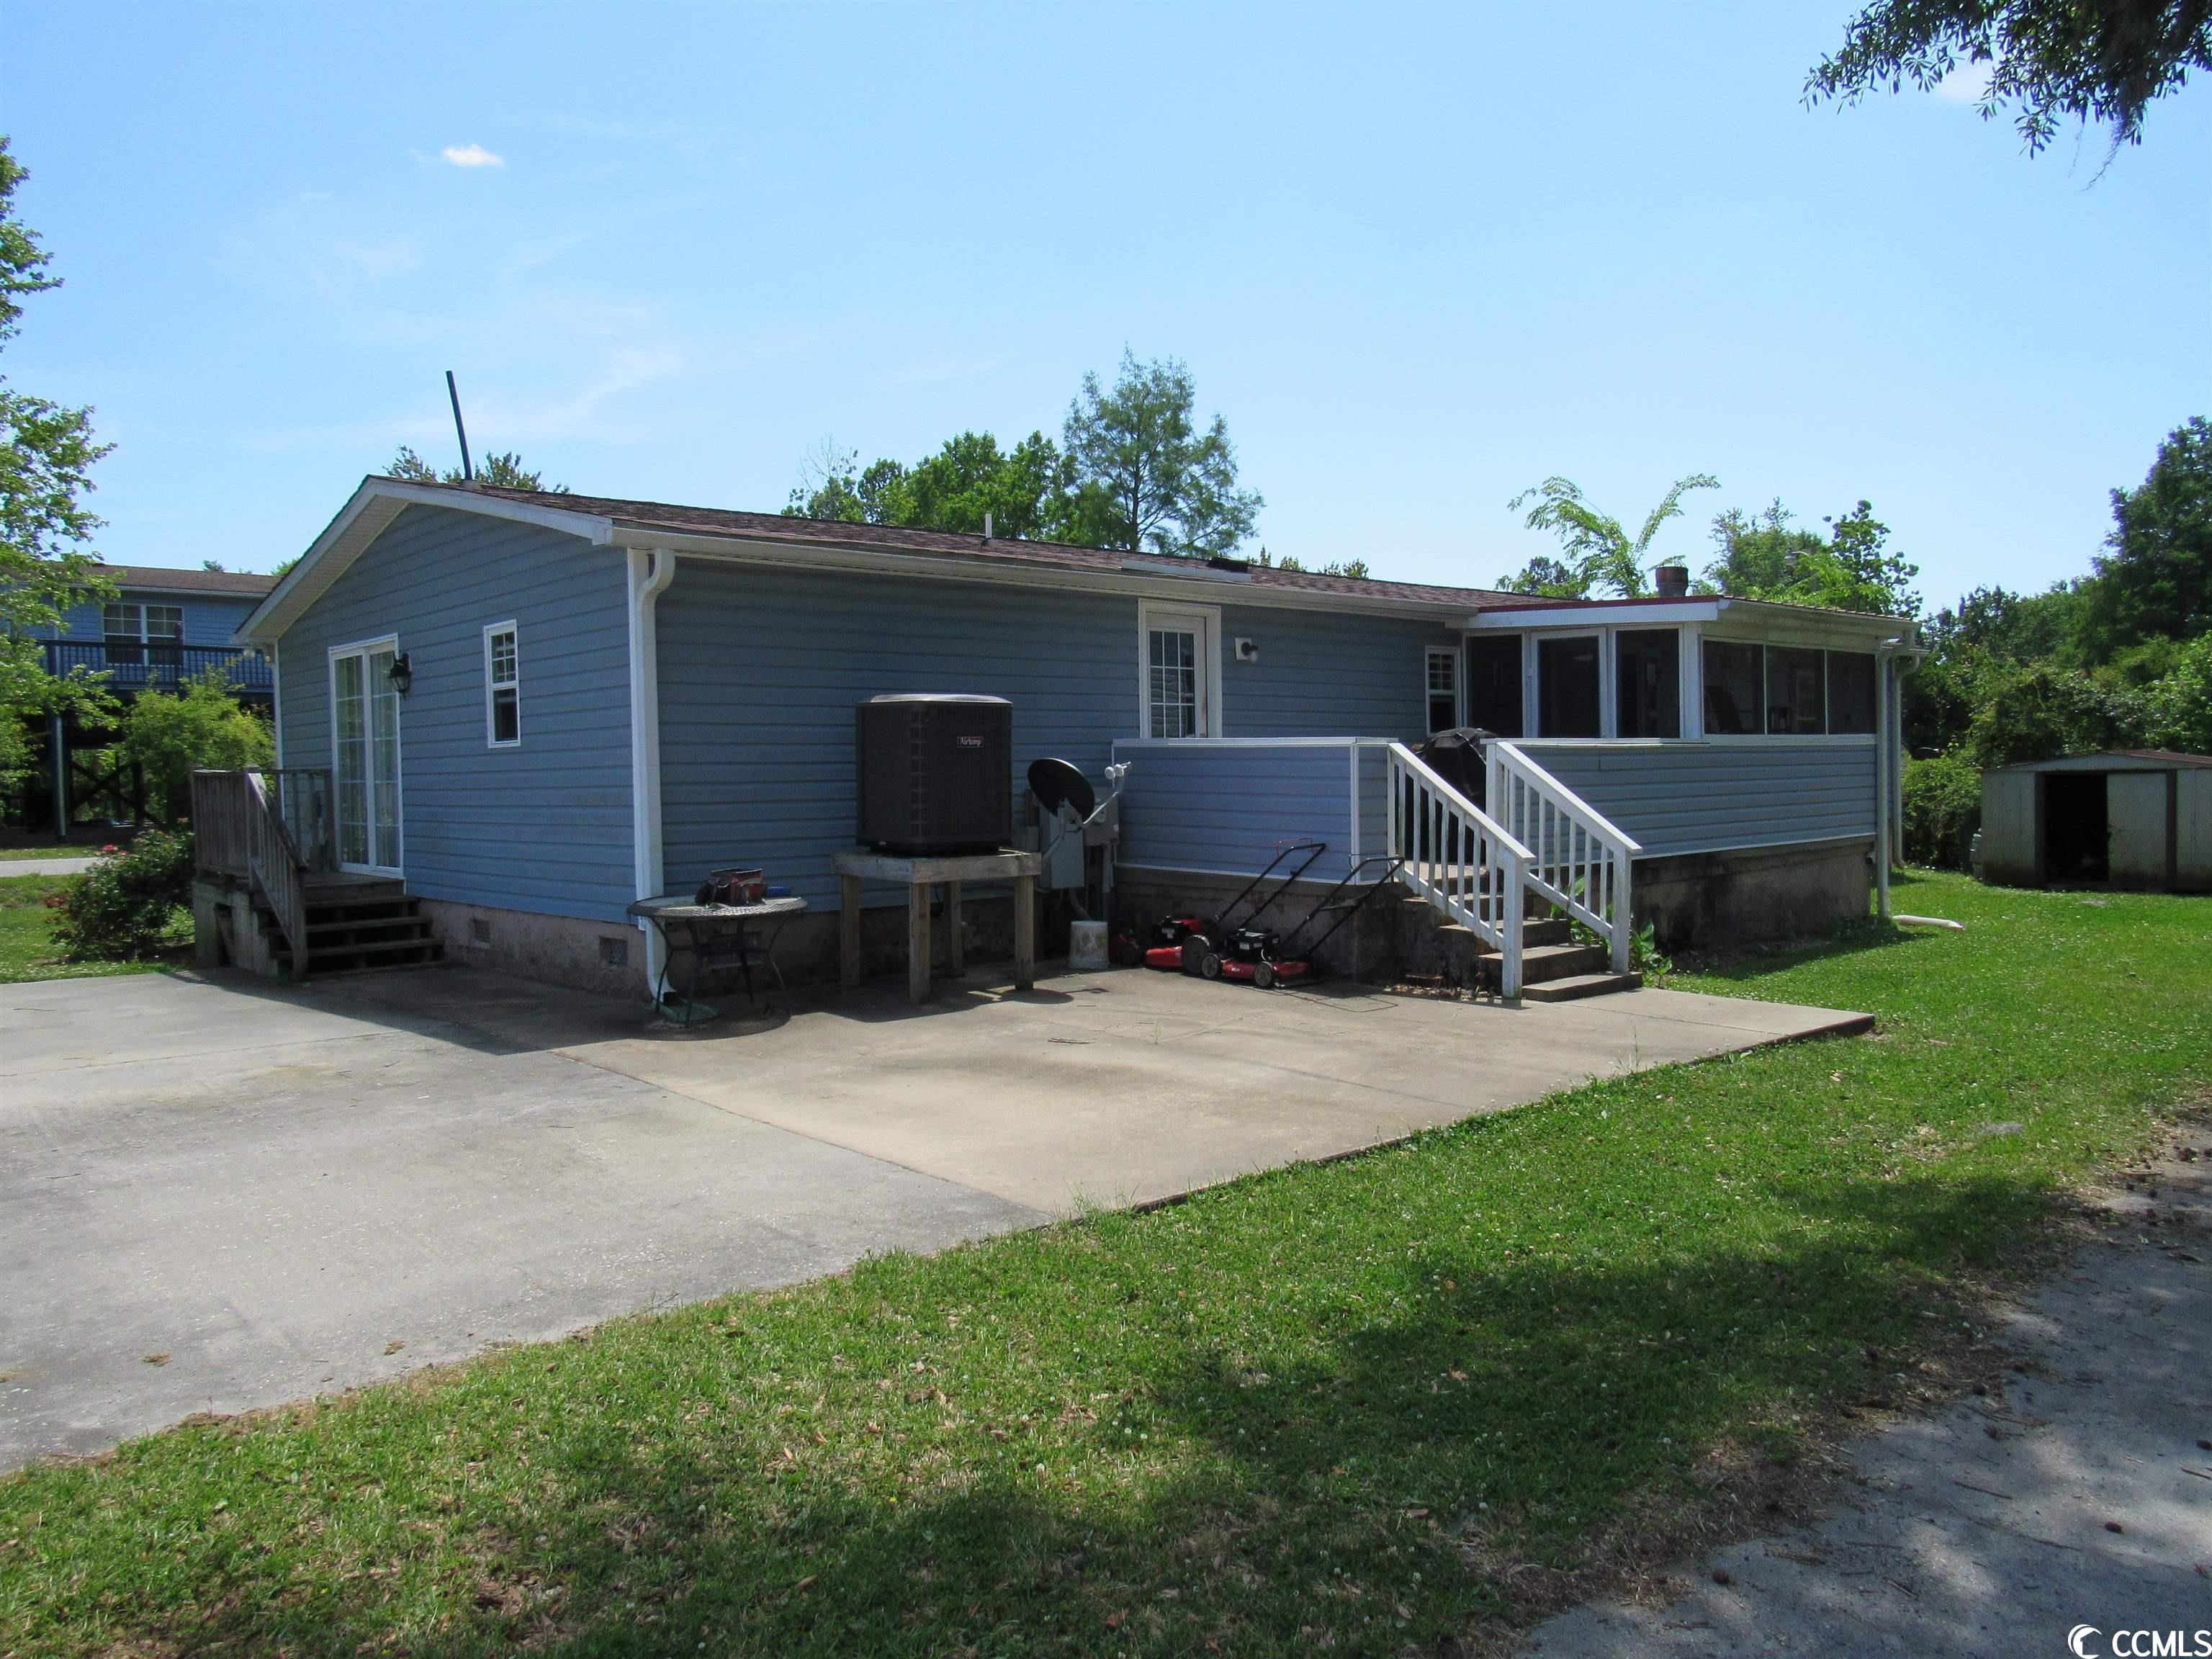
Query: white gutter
[651, 570]
[1122, 582]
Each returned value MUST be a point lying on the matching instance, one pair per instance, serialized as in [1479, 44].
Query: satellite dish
[1058, 783]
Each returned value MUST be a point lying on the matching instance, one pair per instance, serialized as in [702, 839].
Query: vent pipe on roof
[987, 527]
[453, 393]
[1671, 581]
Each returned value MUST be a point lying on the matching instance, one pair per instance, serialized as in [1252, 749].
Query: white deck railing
[1578, 859]
[1459, 858]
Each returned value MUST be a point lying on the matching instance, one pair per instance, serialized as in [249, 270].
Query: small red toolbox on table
[734, 887]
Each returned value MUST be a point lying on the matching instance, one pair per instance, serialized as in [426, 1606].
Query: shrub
[2181, 704]
[201, 726]
[1942, 808]
[121, 909]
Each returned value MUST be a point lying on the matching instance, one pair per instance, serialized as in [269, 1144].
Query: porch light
[403, 674]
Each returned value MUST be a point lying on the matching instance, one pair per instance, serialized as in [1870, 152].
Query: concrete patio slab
[1125, 1087]
[214, 1197]
[217, 1193]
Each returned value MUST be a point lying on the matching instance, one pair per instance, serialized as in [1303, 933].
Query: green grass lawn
[1413, 1398]
[27, 949]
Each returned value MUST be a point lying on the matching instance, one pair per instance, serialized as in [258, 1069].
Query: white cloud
[1964, 85]
[472, 156]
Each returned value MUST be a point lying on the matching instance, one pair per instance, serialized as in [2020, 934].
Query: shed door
[2136, 803]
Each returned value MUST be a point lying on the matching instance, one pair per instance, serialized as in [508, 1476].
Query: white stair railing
[1460, 859]
[1577, 859]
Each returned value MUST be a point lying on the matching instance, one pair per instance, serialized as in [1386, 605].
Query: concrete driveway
[217, 1194]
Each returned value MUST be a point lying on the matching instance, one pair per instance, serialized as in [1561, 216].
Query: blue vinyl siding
[1693, 798]
[208, 619]
[1326, 675]
[1232, 806]
[541, 827]
[761, 669]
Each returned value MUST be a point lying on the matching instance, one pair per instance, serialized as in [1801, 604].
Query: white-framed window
[1570, 686]
[1444, 688]
[129, 626]
[1756, 690]
[1179, 670]
[502, 685]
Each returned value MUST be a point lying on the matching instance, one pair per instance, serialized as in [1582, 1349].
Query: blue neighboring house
[534, 708]
[163, 628]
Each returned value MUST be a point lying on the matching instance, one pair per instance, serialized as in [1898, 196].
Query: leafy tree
[501, 471]
[46, 454]
[2012, 627]
[1144, 476]
[1768, 557]
[969, 477]
[2040, 712]
[202, 725]
[1355, 568]
[2158, 578]
[1135, 472]
[952, 490]
[2179, 704]
[1598, 550]
[2100, 61]
[832, 486]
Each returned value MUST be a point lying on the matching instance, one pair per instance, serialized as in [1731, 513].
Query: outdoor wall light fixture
[403, 674]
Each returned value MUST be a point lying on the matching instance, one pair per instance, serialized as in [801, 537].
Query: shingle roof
[244, 583]
[820, 532]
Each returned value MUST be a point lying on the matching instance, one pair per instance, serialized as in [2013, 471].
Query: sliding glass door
[365, 721]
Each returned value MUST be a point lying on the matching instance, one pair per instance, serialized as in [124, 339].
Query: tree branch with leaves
[1597, 549]
[2091, 61]
[47, 451]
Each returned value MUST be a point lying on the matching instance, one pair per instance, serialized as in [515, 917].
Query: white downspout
[1889, 709]
[650, 572]
[276, 698]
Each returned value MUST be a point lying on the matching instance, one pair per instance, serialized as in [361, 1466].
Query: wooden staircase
[355, 924]
[1554, 968]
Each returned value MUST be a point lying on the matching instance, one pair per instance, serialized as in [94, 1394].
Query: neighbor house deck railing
[1462, 860]
[1578, 859]
[155, 667]
[244, 827]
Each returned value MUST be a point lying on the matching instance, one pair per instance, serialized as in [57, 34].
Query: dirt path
[2077, 1491]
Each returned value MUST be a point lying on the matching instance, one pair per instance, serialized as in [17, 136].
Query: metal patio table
[715, 936]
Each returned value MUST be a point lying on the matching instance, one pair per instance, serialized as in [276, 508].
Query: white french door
[365, 742]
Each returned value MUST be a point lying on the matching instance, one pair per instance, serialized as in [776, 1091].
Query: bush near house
[1943, 809]
[125, 907]
[171, 737]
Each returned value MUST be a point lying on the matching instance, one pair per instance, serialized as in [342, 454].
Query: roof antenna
[468, 472]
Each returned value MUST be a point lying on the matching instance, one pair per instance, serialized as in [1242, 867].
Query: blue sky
[1420, 258]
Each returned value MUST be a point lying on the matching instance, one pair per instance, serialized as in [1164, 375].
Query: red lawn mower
[1261, 956]
[1186, 943]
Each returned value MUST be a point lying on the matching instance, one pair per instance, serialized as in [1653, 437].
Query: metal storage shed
[2128, 818]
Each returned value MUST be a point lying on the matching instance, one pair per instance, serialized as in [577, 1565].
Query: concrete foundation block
[1753, 893]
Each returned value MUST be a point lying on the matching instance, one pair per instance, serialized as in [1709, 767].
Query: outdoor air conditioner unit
[936, 773]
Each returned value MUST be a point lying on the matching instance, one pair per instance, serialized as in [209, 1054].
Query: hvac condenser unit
[936, 773]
